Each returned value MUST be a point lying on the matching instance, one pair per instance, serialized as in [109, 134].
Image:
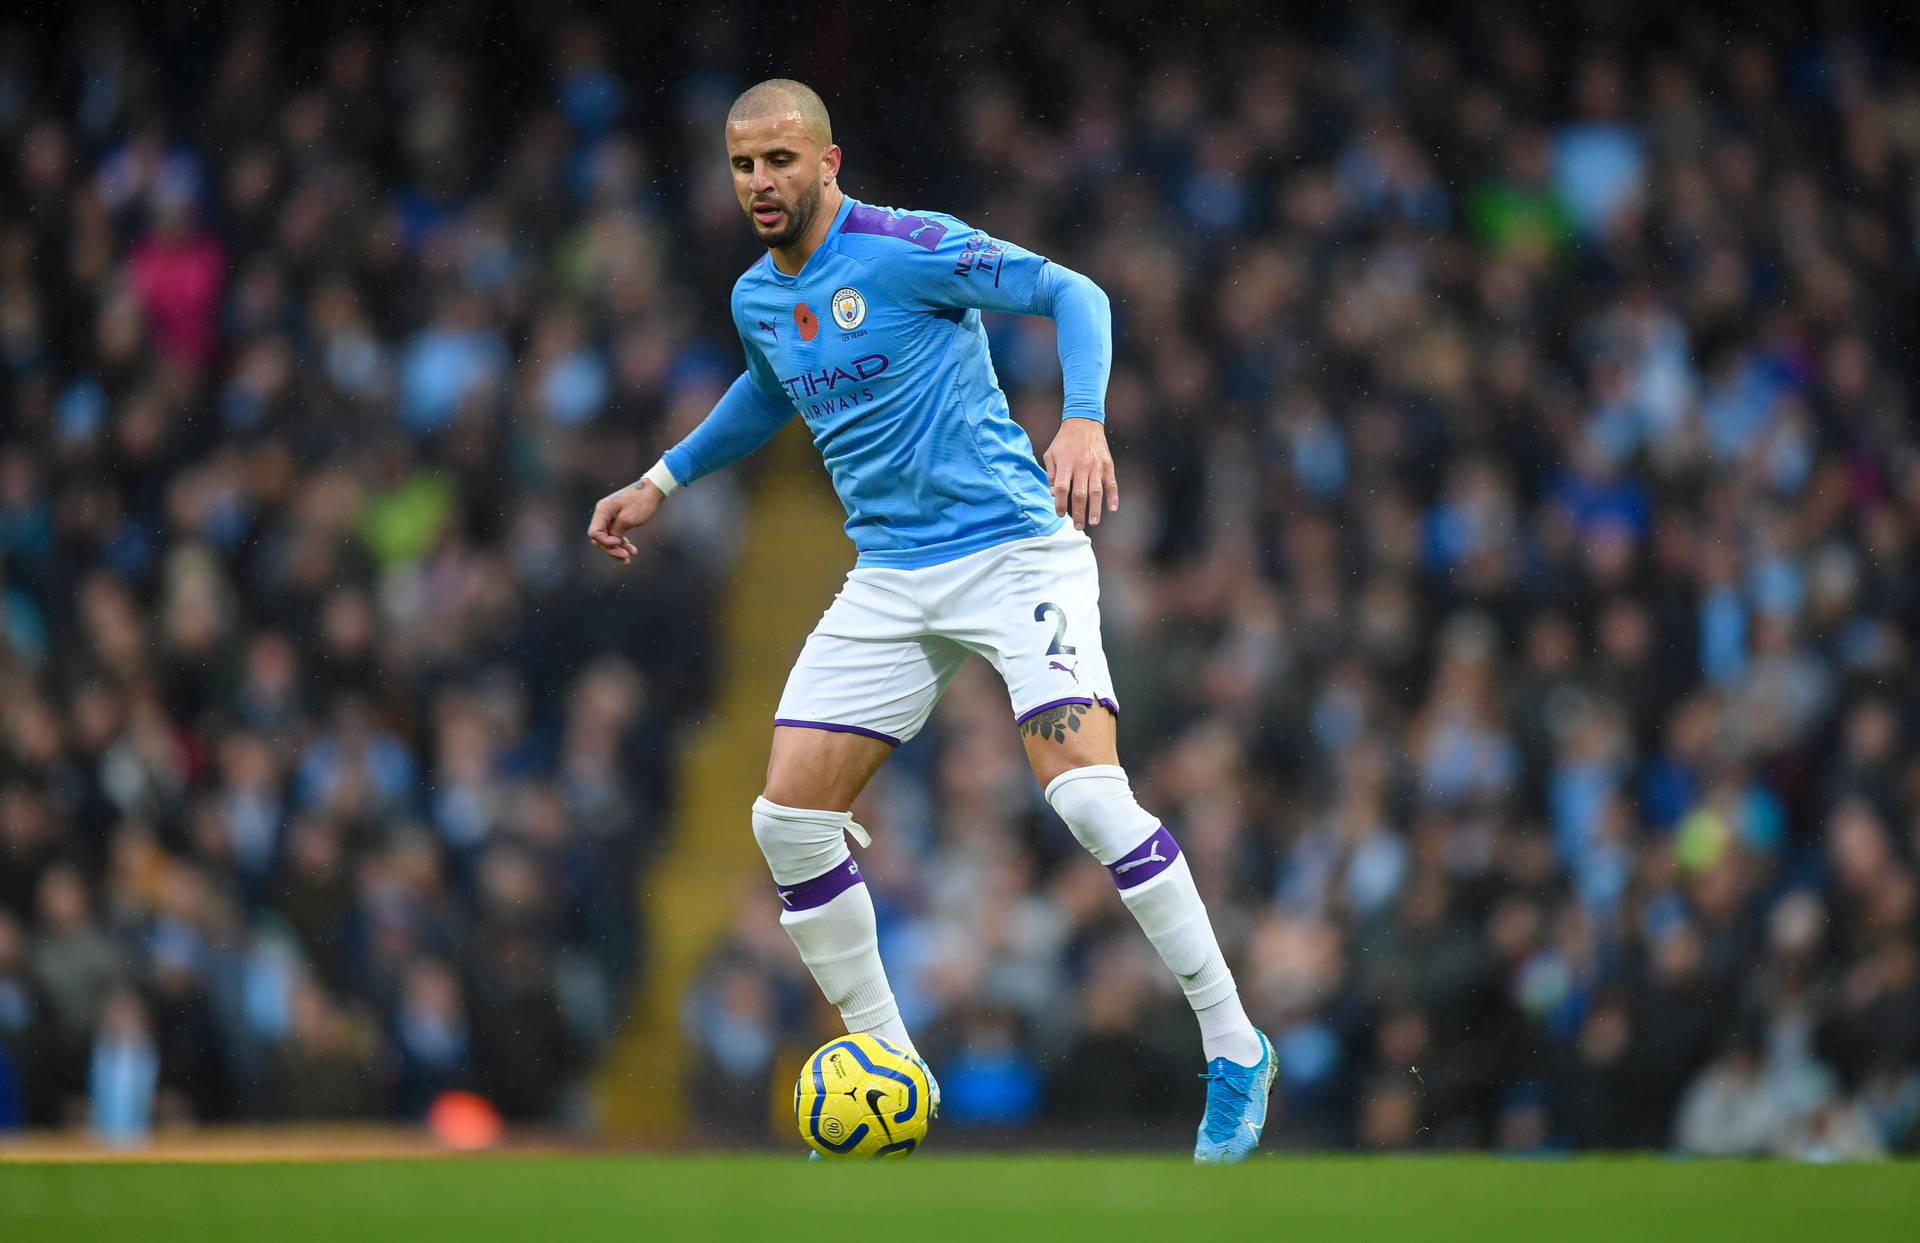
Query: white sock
[1225, 1031]
[894, 1032]
[829, 914]
[1169, 910]
[1157, 886]
[840, 946]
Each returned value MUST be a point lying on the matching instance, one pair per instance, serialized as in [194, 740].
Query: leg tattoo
[1053, 724]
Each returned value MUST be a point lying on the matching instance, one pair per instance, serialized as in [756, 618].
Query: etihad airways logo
[825, 380]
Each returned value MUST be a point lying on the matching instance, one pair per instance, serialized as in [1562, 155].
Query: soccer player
[866, 321]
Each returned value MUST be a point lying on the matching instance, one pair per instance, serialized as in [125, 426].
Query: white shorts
[892, 639]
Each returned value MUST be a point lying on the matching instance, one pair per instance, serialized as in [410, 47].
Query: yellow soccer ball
[860, 1096]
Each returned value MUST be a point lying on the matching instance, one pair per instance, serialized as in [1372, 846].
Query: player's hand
[1081, 472]
[620, 512]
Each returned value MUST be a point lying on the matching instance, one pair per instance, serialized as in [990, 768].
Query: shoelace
[1223, 1116]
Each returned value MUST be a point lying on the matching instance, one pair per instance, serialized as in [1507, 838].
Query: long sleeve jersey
[877, 343]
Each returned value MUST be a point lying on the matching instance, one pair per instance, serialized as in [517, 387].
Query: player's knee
[799, 844]
[1098, 805]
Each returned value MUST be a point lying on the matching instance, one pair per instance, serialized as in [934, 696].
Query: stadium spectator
[1513, 603]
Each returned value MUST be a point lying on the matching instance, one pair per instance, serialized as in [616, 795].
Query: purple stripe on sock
[1145, 861]
[889, 739]
[821, 889]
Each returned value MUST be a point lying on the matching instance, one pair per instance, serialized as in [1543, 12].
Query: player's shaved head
[783, 97]
[780, 146]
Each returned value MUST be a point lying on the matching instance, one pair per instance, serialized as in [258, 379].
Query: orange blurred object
[465, 1120]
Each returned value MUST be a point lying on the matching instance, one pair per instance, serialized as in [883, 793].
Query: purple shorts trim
[821, 889]
[889, 739]
[1087, 700]
[1147, 860]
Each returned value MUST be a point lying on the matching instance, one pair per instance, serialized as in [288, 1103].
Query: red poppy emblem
[803, 318]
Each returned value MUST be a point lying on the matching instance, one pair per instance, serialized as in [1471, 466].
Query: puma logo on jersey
[1072, 673]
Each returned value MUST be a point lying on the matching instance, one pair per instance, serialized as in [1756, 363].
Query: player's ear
[831, 159]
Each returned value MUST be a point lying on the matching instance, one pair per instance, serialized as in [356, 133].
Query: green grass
[997, 1199]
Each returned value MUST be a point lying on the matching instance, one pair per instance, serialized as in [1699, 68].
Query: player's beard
[800, 214]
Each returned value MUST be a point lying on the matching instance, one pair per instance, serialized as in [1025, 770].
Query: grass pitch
[578, 1199]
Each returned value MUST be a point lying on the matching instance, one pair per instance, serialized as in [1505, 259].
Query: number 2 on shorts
[1056, 648]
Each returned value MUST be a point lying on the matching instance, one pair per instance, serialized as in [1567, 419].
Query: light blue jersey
[878, 345]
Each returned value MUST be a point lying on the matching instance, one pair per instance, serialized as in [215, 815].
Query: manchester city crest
[849, 308]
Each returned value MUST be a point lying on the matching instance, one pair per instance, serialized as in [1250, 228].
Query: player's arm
[745, 418]
[951, 266]
[1079, 465]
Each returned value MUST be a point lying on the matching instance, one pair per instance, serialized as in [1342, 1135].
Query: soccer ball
[859, 1096]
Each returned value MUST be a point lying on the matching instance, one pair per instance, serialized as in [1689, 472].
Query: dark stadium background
[1514, 602]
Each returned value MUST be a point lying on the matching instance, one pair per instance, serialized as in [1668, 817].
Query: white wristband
[660, 477]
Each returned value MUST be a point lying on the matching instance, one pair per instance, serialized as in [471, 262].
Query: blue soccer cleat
[933, 1087]
[1236, 1107]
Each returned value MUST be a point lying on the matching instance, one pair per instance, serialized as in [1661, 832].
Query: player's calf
[1154, 881]
[828, 913]
[1157, 886]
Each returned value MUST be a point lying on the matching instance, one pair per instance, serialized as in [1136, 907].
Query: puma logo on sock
[1155, 857]
[1147, 860]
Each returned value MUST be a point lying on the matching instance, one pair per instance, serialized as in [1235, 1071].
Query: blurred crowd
[1512, 607]
[328, 765]
[1513, 601]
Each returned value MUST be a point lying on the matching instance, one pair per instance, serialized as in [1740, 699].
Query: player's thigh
[1034, 612]
[862, 686]
[821, 769]
[1069, 736]
[883, 689]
